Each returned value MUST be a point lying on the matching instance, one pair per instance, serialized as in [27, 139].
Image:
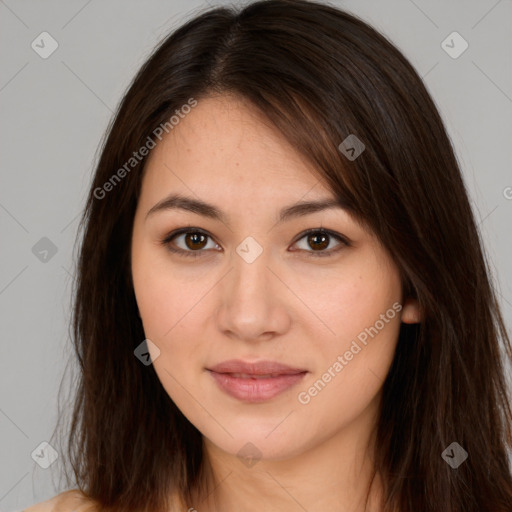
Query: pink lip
[244, 381]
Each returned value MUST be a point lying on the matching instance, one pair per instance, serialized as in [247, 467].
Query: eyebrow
[300, 209]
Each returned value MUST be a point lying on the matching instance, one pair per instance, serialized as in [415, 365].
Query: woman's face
[251, 287]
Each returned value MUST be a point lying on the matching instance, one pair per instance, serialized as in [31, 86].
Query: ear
[411, 313]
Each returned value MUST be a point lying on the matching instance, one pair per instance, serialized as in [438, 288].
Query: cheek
[157, 306]
[164, 294]
[345, 303]
[170, 321]
[172, 309]
[349, 376]
[360, 307]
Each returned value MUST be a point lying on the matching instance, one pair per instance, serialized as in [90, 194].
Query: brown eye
[317, 241]
[191, 242]
[195, 240]
[188, 242]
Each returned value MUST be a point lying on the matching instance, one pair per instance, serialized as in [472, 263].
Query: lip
[255, 382]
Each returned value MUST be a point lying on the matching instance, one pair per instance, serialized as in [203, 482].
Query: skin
[287, 306]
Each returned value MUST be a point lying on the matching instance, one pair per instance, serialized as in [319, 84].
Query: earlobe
[411, 313]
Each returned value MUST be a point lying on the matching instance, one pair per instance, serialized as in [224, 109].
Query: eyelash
[314, 254]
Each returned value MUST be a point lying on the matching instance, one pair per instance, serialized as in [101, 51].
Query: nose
[253, 300]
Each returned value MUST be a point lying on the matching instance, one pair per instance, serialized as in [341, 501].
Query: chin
[262, 440]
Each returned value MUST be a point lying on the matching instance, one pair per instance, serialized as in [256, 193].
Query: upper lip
[256, 368]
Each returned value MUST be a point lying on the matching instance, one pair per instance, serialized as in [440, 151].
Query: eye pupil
[323, 244]
[195, 238]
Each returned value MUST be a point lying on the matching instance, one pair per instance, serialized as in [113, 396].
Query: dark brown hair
[318, 74]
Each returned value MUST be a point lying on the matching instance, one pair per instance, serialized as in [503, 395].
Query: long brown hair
[319, 75]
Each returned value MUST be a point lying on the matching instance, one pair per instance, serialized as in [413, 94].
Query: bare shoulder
[68, 501]
[75, 501]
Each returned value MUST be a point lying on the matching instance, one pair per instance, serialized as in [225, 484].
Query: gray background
[55, 110]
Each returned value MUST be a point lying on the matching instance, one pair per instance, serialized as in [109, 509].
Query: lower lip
[255, 390]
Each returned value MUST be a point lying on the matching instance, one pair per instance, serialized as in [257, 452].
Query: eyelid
[344, 242]
[181, 231]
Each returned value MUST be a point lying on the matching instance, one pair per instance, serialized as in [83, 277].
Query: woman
[282, 298]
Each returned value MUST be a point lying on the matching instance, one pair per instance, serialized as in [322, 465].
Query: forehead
[225, 144]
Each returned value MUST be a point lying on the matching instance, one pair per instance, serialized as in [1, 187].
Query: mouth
[255, 382]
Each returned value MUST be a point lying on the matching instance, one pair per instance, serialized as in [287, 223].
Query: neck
[336, 474]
